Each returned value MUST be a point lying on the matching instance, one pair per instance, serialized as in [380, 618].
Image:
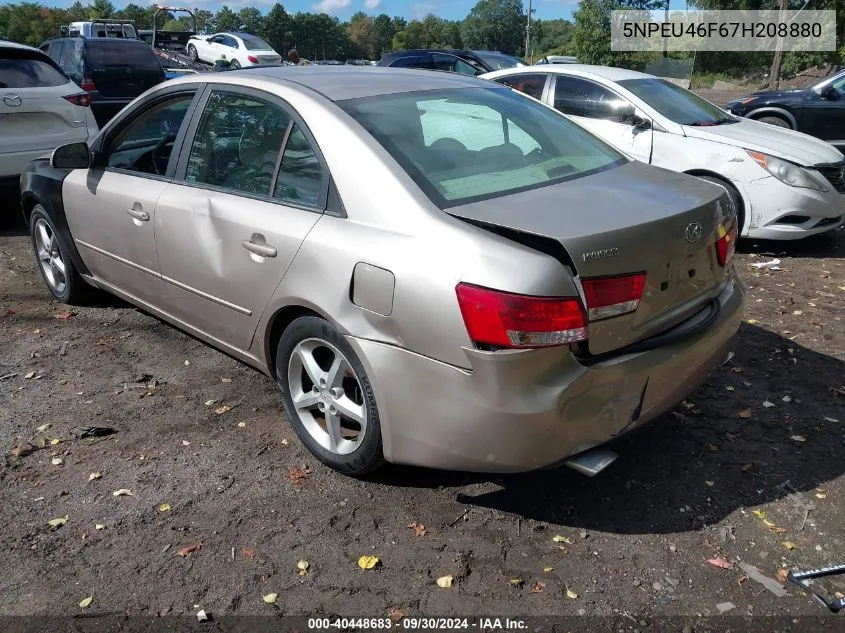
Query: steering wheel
[160, 159]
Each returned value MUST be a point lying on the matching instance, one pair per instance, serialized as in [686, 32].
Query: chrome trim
[205, 295]
[105, 253]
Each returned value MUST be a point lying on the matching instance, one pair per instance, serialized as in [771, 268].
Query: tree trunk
[774, 74]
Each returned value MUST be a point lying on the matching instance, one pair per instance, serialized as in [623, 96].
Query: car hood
[769, 139]
[774, 94]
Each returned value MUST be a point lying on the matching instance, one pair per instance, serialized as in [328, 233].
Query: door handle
[259, 249]
[138, 214]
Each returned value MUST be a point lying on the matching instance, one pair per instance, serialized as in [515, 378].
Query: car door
[250, 186]
[603, 112]
[228, 48]
[823, 116]
[111, 207]
[212, 50]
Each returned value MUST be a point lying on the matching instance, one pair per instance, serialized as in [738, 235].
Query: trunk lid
[631, 219]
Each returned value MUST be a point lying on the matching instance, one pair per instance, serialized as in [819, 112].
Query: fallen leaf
[85, 602]
[66, 314]
[444, 581]
[798, 438]
[298, 474]
[285, 442]
[821, 495]
[187, 362]
[94, 476]
[760, 514]
[368, 562]
[242, 425]
[790, 545]
[538, 587]
[516, 582]
[721, 563]
[781, 575]
[557, 538]
[208, 403]
[548, 570]
[188, 549]
[9, 312]
[768, 404]
[302, 566]
[57, 461]
[752, 321]
[123, 492]
[43, 427]
[418, 528]
[270, 598]
[396, 615]
[730, 388]
[164, 507]
[797, 312]
[225, 380]
[709, 483]
[769, 524]
[223, 409]
[249, 552]
[745, 414]
[571, 594]
[55, 441]
[777, 530]
[100, 526]
[57, 523]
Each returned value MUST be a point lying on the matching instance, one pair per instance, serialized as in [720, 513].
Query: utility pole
[528, 33]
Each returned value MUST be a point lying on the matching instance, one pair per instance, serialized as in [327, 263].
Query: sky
[343, 9]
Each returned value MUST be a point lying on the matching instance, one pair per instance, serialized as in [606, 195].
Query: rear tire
[774, 120]
[52, 254]
[328, 397]
[735, 198]
[234, 64]
[192, 53]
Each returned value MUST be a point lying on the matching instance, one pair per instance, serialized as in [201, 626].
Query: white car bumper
[781, 212]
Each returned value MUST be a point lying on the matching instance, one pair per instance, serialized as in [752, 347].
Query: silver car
[436, 269]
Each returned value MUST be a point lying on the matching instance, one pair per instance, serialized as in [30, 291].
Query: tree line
[491, 24]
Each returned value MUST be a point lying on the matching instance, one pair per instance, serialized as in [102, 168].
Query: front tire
[328, 397]
[775, 120]
[53, 257]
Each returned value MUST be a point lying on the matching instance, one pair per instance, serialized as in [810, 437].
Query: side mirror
[641, 122]
[829, 93]
[72, 156]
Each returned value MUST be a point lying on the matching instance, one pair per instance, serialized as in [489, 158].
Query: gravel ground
[748, 470]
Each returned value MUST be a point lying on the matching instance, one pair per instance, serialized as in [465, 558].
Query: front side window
[27, 69]
[452, 63]
[676, 104]
[579, 97]
[531, 84]
[472, 144]
[145, 144]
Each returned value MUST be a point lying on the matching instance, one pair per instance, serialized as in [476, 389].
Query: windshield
[103, 54]
[500, 61]
[676, 104]
[253, 43]
[471, 144]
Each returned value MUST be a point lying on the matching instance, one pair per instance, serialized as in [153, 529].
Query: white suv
[40, 109]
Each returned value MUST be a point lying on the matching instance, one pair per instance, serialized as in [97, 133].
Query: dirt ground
[748, 470]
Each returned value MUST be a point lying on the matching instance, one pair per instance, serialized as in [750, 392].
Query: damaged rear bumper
[520, 410]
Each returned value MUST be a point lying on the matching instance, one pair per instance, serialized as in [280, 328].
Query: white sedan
[40, 109]
[786, 185]
[239, 49]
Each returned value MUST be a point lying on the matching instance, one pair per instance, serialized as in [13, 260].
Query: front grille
[835, 174]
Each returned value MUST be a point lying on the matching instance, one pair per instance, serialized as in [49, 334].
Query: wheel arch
[774, 111]
[277, 324]
[741, 212]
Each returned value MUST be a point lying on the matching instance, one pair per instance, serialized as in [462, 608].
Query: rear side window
[530, 84]
[71, 58]
[415, 61]
[110, 54]
[28, 69]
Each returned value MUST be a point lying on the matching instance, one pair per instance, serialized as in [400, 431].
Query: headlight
[790, 173]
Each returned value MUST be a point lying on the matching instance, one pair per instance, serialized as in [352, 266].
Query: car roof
[8, 44]
[606, 72]
[337, 84]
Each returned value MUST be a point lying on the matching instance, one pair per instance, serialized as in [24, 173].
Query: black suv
[451, 59]
[817, 110]
[112, 71]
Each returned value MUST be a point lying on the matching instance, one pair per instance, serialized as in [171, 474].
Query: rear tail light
[726, 243]
[613, 296]
[81, 99]
[88, 84]
[518, 321]
[252, 59]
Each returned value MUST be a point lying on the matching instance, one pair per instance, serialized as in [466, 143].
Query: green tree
[226, 20]
[141, 16]
[495, 25]
[27, 23]
[204, 20]
[274, 28]
[250, 20]
[358, 31]
[381, 33]
[100, 9]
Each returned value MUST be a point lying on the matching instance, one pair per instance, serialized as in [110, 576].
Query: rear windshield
[110, 53]
[28, 69]
[473, 144]
[253, 43]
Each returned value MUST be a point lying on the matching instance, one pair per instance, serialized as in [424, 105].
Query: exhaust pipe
[591, 463]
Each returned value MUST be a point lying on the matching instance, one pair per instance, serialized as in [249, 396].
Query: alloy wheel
[327, 396]
[50, 257]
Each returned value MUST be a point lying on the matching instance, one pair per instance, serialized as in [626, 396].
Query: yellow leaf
[797, 312]
[821, 495]
[43, 427]
[85, 602]
[164, 507]
[761, 514]
[99, 526]
[55, 441]
[444, 581]
[208, 403]
[516, 582]
[571, 594]
[768, 523]
[36, 331]
[368, 562]
[123, 492]
[94, 476]
[57, 461]
[548, 570]
[223, 409]
[57, 523]
[789, 545]
[270, 598]
[562, 539]
[242, 425]
[303, 567]
[752, 321]
[730, 388]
